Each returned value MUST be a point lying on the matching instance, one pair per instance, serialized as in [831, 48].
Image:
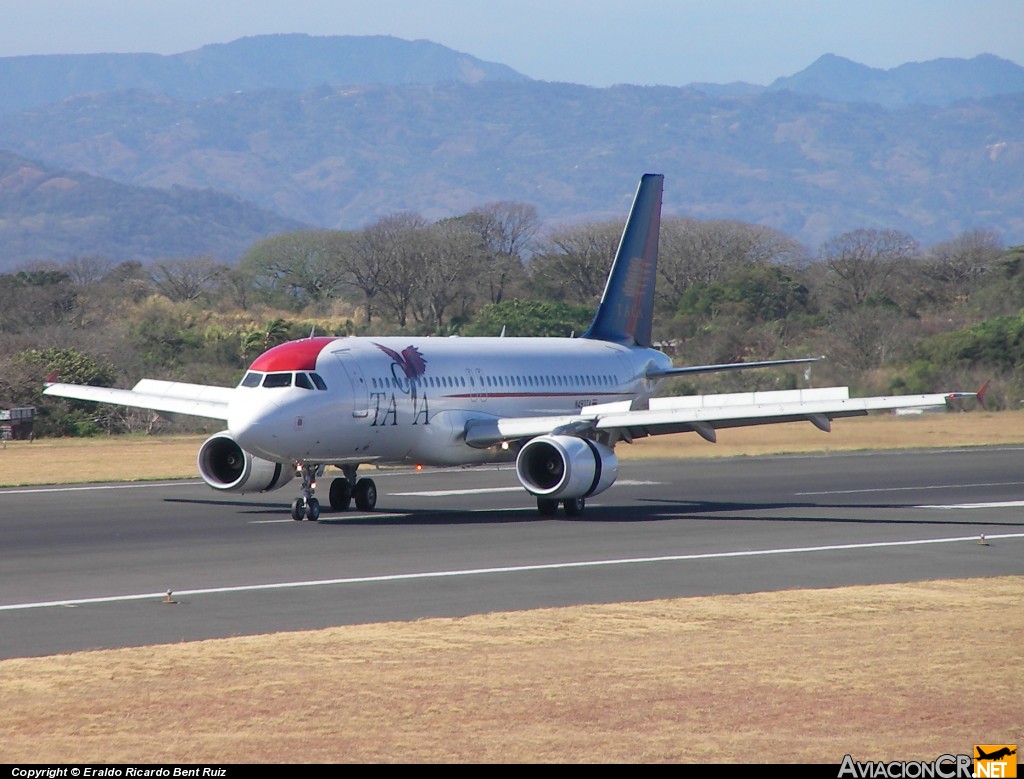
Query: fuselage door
[475, 384]
[360, 392]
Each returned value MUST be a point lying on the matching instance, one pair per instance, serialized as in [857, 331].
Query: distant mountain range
[300, 62]
[292, 62]
[55, 214]
[334, 132]
[940, 82]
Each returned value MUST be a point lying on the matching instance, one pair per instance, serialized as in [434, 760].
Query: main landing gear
[343, 490]
[548, 507]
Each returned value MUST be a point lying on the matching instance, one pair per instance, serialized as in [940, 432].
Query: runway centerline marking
[912, 489]
[401, 577]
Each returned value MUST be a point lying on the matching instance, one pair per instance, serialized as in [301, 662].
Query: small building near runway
[16, 423]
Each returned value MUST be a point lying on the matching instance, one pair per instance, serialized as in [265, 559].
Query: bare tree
[88, 271]
[367, 264]
[300, 264]
[507, 231]
[864, 264]
[708, 251]
[453, 257]
[960, 263]
[41, 295]
[391, 253]
[574, 263]
[237, 287]
[104, 289]
[185, 280]
[867, 338]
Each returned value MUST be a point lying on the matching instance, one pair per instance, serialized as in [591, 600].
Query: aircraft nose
[256, 426]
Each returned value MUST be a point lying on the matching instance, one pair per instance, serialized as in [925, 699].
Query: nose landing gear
[308, 507]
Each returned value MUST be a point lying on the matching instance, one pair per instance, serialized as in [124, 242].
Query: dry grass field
[883, 672]
[893, 672]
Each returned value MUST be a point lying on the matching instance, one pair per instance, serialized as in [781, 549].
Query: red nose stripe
[292, 356]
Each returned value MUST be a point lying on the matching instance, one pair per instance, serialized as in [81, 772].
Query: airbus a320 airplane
[557, 406]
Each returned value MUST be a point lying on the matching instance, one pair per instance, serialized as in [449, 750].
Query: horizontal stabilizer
[728, 366]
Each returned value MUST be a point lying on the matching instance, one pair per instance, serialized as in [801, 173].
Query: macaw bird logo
[413, 366]
[411, 361]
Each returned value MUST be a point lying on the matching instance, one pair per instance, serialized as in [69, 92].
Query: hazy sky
[595, 42]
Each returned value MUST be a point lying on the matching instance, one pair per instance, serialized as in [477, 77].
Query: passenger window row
[502, 381]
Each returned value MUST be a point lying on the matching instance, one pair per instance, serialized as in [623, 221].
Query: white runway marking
[1006, 504]
[132, 486]
[490, 490]
[912, 489]
[449, 493]
[327, 519]
[400, 577]
[345, 517]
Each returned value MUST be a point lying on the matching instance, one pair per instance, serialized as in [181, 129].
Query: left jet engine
[226, 466]
[562, 466]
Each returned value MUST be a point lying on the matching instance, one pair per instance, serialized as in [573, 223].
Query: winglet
[51, 379]
[981, 393]
[626, 309]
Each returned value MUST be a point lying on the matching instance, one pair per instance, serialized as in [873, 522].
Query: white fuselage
[408, 399]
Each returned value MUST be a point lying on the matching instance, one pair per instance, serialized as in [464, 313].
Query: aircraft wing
[702, 414]
[177, 397]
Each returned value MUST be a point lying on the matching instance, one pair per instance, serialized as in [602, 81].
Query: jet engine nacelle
[563, 466]
[226, 466]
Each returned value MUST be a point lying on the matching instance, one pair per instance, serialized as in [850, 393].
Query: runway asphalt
[88, 566]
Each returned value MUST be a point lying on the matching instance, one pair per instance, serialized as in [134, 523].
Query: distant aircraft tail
[627, 304]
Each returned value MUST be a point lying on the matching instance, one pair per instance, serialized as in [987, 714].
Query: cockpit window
[302, 380]
[320, 384]
[278, 380]
[252, 379]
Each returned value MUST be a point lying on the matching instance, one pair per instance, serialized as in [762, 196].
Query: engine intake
[564, 466]
[226, 466]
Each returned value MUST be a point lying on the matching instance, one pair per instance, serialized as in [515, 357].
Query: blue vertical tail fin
[627, 304]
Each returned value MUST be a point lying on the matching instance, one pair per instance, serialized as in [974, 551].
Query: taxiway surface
[88, 567]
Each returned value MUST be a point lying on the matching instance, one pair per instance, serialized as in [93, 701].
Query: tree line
[889, 314]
